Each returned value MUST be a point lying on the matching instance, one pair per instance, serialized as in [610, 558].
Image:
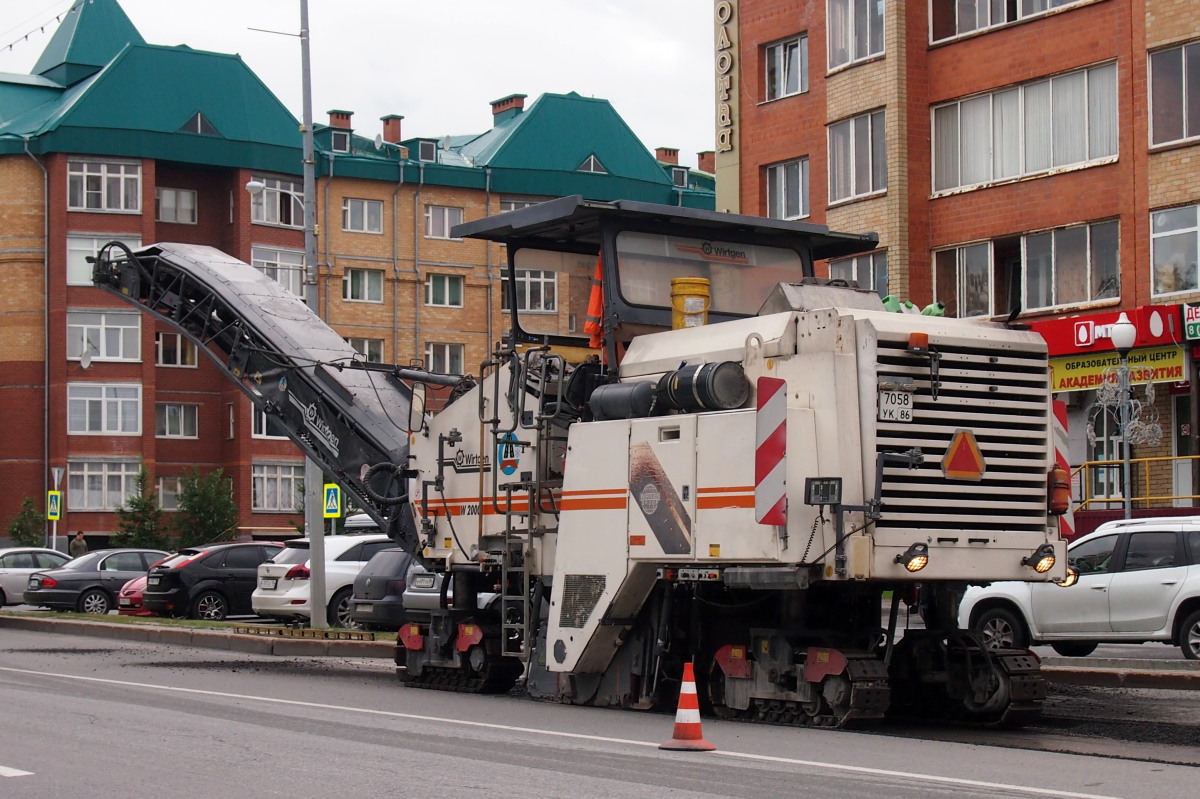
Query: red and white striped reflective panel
[770, 452]
[1066, 522]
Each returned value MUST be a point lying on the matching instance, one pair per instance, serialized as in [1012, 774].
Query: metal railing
[1089, 475]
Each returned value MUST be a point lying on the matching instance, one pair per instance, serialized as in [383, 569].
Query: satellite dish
[378, 141]
[446, 143]
[85, 360]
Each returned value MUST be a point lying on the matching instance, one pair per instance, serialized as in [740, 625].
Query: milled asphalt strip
[875, 772]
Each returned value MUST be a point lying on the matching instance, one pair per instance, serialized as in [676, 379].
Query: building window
[537, 290]
[679, 177]
[786, 68]
[857, 157]
[265, 425]
[1175, 94]
[369, 349]
[104, 335]
[1053, 268]
[174, 349]
[168, 493]
[339, 141]
[869, 271]
[104, 186]
[175, 205]
[362, 216]
[281, 202]
[176, 420]
[444, 290]
[513, 204]
[363, 285]
[957, 17]
[440, 219]
[1174, 249]
[787, 190]
[113, 409]
[82, 247]
[592, 164]
[278, 486]
[855, 30]
[1062, 121]
[444, 358]
[284, 266]
[427, 151]
[199, 124]
[101, 485]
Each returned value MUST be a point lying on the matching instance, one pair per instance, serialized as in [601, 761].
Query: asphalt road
[86, 717]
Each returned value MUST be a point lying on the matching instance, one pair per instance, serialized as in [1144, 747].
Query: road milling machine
[685, 448]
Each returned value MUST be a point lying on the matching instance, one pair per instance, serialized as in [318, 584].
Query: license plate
[153, 580]
[124, 601]
[895, 406]
[268, 583]
[363, 608]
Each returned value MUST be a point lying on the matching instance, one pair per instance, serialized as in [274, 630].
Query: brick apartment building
[113, 138]
[1032, 154]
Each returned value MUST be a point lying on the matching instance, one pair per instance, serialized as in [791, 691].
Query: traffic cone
[688, 736]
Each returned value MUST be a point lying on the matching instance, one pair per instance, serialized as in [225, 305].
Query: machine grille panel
[581, 593]
[1000, 395]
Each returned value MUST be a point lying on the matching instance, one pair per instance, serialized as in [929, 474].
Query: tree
[139, 521]
[207, 512]
[27, 529]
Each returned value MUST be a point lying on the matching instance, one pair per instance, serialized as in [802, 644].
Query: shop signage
[1157, 325]
[1191, 320]
[1079, 372]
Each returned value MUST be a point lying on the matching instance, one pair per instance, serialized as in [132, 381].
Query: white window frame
[186, 352]
[284, 266]
[781, 61]
[440, 220]
[679, 177]
[868, 271]
[339, 141]
[279, 204]
[875, 150]
[1170, 268]
[371, 349]
[427, 151]
[846, 44]
[592, 164]
[81, 246]
[105, 335]
[1187, 101]
[984, 16]
[788, 189]
[362, 285]
[113, 187]
[271, 483]
[177, 206]
[261, 423]
[1005, 154]
[94, 485]
[176, 420]
[444, 358]
[532, 285]
[167, 491]
[362, 216]
[444, 285]
[515, 203]
[119, 406]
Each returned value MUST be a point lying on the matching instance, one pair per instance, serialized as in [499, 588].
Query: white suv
[1139, 581]
[284, 589]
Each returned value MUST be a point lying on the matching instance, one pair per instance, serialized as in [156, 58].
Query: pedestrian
[78, 545]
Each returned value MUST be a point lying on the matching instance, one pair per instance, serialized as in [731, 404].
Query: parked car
[207, 582]
[17, 563]
[129, 598]
[89, 583]
[378, 602]
[1139, 581]
[283, 590]
[423, 593]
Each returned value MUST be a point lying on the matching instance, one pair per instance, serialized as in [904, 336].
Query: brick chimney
[707, 161]
[391, 128]
[507, 107]
[668, 155]
[340, 119]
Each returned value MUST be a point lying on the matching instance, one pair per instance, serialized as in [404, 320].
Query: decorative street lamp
[1123, 335]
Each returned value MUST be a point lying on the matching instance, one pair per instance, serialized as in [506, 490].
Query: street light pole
[1123, 336]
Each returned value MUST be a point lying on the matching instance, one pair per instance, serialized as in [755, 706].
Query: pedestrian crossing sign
[53, 505]
[333, 500]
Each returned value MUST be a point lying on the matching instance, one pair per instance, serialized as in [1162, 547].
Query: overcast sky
[439, 64]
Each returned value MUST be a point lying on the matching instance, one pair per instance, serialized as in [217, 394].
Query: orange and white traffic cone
[688, 736]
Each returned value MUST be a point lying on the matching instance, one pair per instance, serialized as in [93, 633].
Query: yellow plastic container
[689, 302]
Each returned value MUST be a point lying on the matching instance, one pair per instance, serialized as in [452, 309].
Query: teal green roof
[91, 35]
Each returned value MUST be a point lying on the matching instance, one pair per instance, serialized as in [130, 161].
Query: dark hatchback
[91, 582]
[207, 582]
[378, 601]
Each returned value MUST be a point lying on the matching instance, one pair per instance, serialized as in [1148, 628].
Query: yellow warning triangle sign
[963, 460]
